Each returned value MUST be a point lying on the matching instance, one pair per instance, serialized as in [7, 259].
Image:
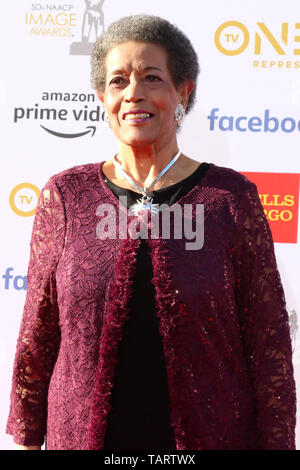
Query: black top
[140, 414]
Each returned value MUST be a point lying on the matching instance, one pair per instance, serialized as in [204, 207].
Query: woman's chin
[136, 138]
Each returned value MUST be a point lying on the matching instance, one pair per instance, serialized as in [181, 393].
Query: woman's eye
[117, 81]
[152, 78]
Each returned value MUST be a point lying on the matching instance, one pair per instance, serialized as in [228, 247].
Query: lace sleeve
[39, 335]
[265, 328]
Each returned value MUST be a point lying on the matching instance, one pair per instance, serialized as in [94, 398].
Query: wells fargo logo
[279, 195]
[23, 199]
[280, 42]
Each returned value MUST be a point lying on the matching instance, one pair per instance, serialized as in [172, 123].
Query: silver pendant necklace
[145, 202]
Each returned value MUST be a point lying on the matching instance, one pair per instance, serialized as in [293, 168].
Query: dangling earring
[179, 114]
[106, 119]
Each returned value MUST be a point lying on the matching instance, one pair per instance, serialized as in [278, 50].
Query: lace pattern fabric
[39, 336]
[221, 310]
[265, 327]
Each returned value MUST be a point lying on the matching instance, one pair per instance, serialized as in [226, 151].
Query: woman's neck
[144, 164]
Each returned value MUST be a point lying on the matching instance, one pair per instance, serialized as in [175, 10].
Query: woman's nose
[134, 91]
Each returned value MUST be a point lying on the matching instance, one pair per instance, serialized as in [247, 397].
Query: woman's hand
[19, 447]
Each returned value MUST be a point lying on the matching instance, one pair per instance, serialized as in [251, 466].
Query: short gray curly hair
[182, 58]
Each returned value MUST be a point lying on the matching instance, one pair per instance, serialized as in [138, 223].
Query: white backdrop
[249, 54]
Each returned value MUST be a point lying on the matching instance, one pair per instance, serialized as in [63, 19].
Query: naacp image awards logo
[92, 27]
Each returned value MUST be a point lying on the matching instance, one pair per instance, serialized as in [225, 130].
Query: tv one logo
[23, 199]
[233, 37]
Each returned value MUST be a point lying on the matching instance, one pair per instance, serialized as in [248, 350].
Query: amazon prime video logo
[166, 222]
[55, 109]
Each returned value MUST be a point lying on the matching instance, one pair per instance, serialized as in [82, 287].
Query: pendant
[144, 204]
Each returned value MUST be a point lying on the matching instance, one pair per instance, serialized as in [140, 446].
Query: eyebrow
[146, 69]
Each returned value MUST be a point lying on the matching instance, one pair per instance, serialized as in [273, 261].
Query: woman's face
[139, 94]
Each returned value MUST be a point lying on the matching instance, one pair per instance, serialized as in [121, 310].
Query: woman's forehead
[140, 55]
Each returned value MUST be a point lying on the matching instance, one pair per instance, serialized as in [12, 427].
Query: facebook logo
[265, 123]
[15, 282]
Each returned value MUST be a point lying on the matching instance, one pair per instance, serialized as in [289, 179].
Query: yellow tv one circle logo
[23, 199]
[232, 37]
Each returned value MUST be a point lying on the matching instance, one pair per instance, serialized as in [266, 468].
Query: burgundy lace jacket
[221, 310]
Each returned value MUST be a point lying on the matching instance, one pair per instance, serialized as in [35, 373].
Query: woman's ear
[100, 96]
[185, 89]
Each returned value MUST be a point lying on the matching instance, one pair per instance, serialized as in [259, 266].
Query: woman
[138, 342]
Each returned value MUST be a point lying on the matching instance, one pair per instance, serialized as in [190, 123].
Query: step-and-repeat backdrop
[247, 117]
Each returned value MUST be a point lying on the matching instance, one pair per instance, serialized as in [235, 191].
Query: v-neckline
[115, 199]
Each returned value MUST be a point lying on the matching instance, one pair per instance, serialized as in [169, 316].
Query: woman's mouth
[137, 116]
